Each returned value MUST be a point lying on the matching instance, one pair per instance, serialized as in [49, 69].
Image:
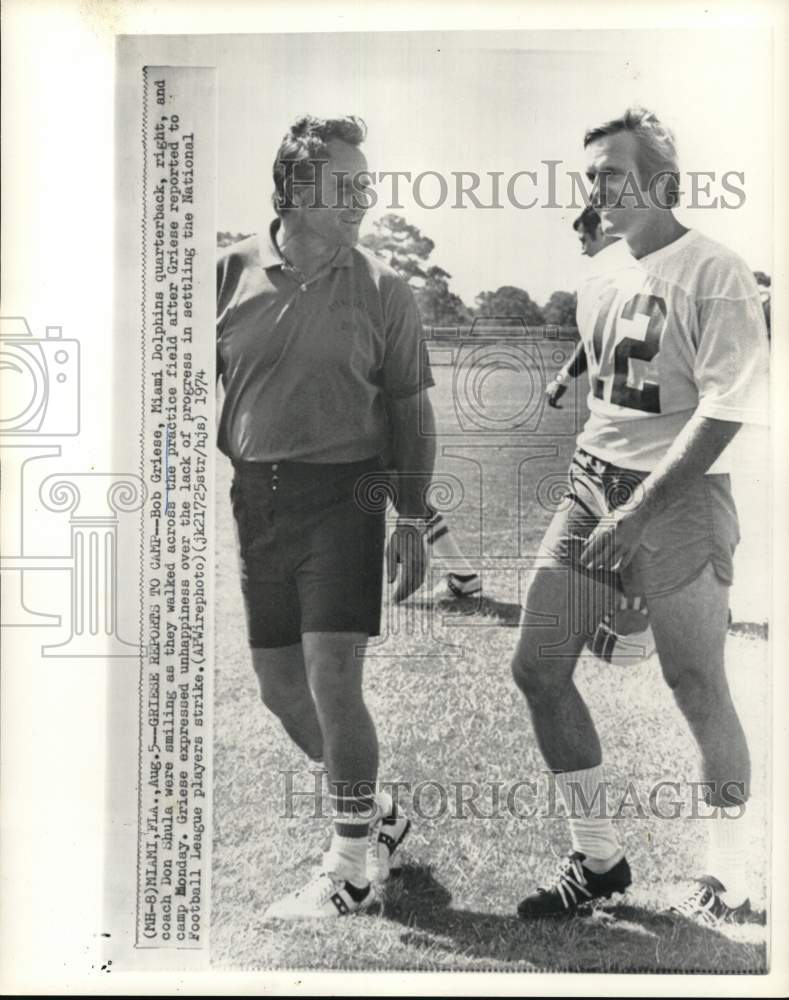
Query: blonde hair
[657, 148]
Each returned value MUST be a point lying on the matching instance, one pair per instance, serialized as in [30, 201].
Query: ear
[663, 188]
[307, 192]
[300, 196]
[660, 191]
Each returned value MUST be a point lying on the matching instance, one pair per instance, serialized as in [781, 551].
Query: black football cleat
[704, 905]
[574, 886]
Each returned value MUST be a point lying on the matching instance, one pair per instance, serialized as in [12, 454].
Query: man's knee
[696, 691]
[285, 701]
[281, 679]
[553, 630]
[535, 674]
[334, 690]
[335, 672]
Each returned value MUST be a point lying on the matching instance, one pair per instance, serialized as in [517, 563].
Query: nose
[361, 195]
[361, 200]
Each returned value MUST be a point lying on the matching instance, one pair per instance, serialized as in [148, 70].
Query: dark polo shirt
[306, 367]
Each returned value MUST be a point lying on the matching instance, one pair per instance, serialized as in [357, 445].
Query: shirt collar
[270, 255]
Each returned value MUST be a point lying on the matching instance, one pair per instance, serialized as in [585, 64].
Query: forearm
[413, 454]
[693, 452]
[577, 364]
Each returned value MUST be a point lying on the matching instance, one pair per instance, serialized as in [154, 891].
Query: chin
[348, 234]
[608, 223]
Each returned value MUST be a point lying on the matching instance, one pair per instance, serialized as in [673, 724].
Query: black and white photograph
[441, 588]
[545, 342]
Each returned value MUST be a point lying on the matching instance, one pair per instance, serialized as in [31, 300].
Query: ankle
[356, 891]
[602, 865]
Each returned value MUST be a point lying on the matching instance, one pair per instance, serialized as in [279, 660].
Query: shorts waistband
[284, 463]
[305, 471]
[602, 465]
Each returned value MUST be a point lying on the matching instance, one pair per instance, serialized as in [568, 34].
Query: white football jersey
[678, 332]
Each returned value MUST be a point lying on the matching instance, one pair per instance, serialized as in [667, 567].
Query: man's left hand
[615, 540]
[406, 557]
[554, 392]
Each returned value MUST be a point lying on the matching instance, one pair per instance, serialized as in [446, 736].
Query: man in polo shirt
[318, 350]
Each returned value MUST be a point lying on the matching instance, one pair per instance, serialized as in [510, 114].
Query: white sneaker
[323, 896]
[450, 588]
[705, 905]
[385, 837]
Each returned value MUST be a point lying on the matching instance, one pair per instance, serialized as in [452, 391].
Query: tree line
[408, 252]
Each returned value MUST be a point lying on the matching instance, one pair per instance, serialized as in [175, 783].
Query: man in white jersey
[675, 341]
[623, 635]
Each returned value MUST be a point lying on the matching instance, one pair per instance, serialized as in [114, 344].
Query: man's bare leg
[690, 633]
[561, 611]
[282, 678]
[334, 663]
[557, 620]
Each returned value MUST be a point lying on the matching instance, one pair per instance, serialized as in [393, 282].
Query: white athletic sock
[385, 805]
[347, 854]
[592, 833]
[727, 852]
[442, 542]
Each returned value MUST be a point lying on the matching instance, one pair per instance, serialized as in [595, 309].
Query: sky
[505, 102]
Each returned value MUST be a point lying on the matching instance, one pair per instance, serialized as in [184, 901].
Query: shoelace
[699, 904]
[328, 889]
[376, 828]
[569, 881]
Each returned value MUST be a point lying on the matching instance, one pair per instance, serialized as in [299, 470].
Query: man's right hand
[406, 558]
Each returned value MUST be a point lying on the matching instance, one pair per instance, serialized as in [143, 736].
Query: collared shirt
[307, 366]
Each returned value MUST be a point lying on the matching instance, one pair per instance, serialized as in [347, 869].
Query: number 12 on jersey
[612, 356]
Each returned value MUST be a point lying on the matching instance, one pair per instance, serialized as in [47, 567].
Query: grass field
[447, 711]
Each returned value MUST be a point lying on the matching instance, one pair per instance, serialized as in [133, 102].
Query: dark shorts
[699, 528]
[311, 552]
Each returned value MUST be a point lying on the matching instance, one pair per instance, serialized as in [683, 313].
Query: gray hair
[657, 156]
[304, 148]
